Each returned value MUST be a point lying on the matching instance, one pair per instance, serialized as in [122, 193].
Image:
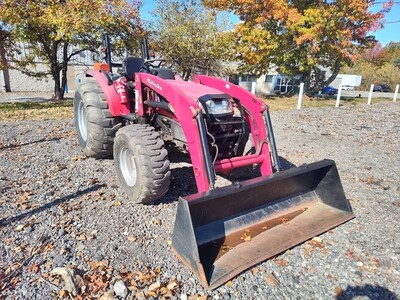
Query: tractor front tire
[95, 126]
[141, 162]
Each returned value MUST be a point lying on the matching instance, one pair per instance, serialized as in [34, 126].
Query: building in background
[13, 80]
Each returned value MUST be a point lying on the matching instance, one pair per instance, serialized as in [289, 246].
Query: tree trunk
[4, 69]
[313, 83]
[186, 74]
[55, 71]
[64, 70]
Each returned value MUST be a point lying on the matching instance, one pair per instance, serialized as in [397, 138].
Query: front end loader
[218, 232]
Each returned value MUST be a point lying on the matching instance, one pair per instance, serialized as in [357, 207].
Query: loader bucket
[220, 233]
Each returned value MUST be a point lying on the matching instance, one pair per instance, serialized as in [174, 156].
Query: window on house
[269, 78]
[249, 77]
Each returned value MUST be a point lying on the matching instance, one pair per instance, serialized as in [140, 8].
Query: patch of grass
[63, 109]
[50, 110]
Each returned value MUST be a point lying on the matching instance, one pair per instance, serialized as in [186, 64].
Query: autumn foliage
[49, 28]
[191, 36]
[301, 36]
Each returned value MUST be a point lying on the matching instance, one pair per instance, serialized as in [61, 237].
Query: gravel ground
[62, 210]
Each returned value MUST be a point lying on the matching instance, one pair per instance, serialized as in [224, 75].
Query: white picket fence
[339, 95]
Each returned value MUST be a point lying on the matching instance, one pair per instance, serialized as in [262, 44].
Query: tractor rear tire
[95, 126]
[141, 162]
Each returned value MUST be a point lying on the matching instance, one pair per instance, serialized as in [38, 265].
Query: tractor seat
[132, 65]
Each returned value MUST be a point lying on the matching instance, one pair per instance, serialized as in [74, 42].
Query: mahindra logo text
[156, 85]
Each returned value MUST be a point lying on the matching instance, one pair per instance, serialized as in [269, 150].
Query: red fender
[115, 105]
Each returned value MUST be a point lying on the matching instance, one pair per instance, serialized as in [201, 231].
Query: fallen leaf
[68, 275]
[34, 268]
[78, 157]
[99, 264]
[166, 292]
[151, 294]
[229, 283]
[255, 270]
[154, 286]
[117, 203]
[132, 238]
[62, 293]
[172, 285]
[246, 237]
[338, 291]
[317, 242]
[283, 262]
[271, 280]
[48, 247]
[225, 248]
[21, 227]
[284, 221]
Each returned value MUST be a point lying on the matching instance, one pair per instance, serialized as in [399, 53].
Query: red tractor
[225, 128]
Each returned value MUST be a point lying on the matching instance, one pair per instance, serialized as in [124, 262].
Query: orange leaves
[147, 283]
[34, 268]
[246, 237]
[283, 262]
[104, 264]
[302, 36]
[98, 278]
[314, 244]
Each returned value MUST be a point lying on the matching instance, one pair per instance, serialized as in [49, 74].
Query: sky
[390, 31]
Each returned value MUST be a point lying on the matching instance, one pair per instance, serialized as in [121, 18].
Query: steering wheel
[158, 63]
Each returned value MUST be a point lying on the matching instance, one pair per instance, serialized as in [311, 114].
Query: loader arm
[188, 114]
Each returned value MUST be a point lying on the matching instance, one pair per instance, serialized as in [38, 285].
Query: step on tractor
[219, 231]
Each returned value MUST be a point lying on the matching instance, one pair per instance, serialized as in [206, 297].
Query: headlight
[219, 106]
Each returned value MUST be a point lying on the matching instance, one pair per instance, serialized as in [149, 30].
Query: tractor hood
[194, 90]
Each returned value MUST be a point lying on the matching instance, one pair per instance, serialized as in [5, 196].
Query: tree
[375, 55]
[188, 34]
[6, 47]
[51, 28]
[301, 36]
[378, 65]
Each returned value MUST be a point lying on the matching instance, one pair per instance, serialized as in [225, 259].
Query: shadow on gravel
[13, 146]
[7, 221]
[370, 291]
[182, 184]
[285, 164]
